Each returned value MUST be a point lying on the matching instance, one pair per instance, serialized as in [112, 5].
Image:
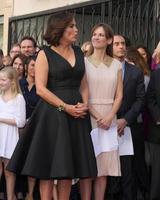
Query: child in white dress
[12, 117]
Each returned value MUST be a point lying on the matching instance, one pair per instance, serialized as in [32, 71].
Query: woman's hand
[83, 108]
[105, 122]
[76, 110]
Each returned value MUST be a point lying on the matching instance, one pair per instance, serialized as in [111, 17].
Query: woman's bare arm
[41, 79]
[118, 95]
[11, 122]
[84, 90]
[107, 120]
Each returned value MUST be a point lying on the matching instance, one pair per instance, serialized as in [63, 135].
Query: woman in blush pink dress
[104, 75]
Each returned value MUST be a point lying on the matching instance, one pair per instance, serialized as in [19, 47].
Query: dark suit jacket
[133, 96]
[153, 101]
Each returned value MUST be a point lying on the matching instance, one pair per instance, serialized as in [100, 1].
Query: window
[139, 20]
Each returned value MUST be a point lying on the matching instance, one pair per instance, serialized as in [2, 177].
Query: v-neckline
[27, 84]
[71, 66]
[8, 101]
[97, 66]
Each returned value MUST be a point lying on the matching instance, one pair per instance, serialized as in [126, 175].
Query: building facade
[13, 9]
[139, 20]
[6, 7]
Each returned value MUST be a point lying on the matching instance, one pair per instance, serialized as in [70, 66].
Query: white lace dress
[12, 109]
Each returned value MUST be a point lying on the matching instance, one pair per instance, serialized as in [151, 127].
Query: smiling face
[31, 69]
[18, 65]
[27, 47]
[5, 82]
[70, 33]
[14, 51]
[99, 40]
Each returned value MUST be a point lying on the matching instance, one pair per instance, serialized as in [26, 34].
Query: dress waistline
[101, 101]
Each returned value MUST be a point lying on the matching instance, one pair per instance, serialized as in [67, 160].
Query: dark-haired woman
[146, 55]
[18, 63]
[134, 57]
[28, 87]
[31, 98]
[141, 173]
[104, 75]
[57, 142]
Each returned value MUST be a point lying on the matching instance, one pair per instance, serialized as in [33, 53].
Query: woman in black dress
[57, 142]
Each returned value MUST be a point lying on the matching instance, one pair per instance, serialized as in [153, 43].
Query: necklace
[106, 61]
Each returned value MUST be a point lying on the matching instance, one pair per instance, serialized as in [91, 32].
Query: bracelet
[61, 107]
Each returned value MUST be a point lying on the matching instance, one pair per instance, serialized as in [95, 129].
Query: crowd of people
[67, 112]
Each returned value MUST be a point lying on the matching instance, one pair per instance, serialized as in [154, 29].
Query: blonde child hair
[87, 48]
[11, 74]
[156, 54]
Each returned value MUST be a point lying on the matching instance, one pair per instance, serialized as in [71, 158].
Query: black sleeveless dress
[55, 145]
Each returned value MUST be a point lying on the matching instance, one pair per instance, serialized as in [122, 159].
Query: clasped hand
[105, 122]
[78, 110]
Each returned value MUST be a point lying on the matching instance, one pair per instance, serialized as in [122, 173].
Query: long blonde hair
[87, 51]
[12, 75]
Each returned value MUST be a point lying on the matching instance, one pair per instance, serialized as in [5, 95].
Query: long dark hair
[149, 55]
[134, 56]
[22, 58]
[109, 35]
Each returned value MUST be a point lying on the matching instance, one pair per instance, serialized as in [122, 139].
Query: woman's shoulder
[19, 97]
[86, 58]
[45, 48]
[77, 49]
[23, 81]
[88, 61]
[46, 51]
[116, 63]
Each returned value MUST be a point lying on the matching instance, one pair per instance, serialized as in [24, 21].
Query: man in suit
[153, 101]
[132, 105]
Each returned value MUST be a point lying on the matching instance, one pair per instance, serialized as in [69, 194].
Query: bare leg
[1, 171]
[55, 192]
[64, 189]
[31, 184]
[10, 182]
[100, 187]
[1, 168]
[46, 188]
[86, 188]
